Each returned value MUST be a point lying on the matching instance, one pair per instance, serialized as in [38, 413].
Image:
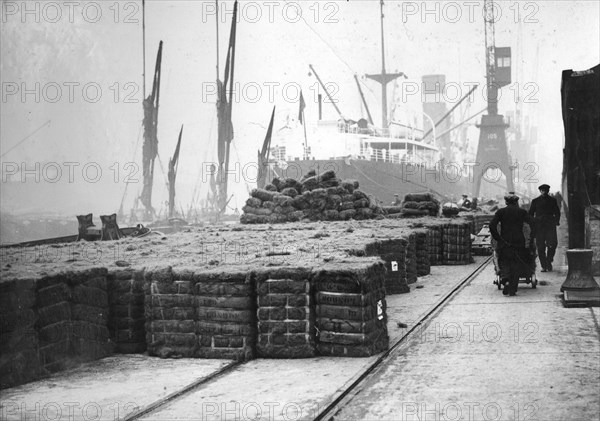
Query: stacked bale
[315, 198]
[422, 250]
[411, 259]
[393, 253]
[89, 309]
[468, 216]
[126, 315]
[226, 314]
[351, 308]
[19, 340]
[420, 204]
[170, 314]
[54, 323]
[435, 244]
[456, 238]
[286, 320]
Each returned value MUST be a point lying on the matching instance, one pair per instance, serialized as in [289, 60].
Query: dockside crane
[492, 150]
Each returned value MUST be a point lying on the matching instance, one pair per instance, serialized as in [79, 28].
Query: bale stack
[393, 252]
[313, 198]
[435, 244]
[89, 309]
[411, 259]
[226, 314]
[422, 250]
[19, 341]
[420, 204]
[54, 325]
[351, 308]
[170, 314]
[470, 218]
[456, 238]
[126, 320]
[286, 319]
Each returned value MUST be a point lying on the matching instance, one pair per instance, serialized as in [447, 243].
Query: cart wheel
[533, 282]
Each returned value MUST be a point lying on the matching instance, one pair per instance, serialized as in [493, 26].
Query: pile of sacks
[420, 204]
[315, 198]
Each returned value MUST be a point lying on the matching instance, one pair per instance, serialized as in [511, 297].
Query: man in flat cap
[546, 214]
[514, 250]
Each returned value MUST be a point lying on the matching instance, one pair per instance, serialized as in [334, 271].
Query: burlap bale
[420, 197]
[348, 185]
[290, 183]
[248, 218]
[19, 337]
[290, 191]
[357, 351]
[347, 214]
[53, 294]
[225, 315]
[54, 314]
[331, 215]
[270, 187]
[277, 183]
[406, 212]
[363, 213]
[310, 173]
[347, 326]
[310, 184]
[301, 202]
[391, 210]
[253, 202]
[344, 338]
[285, 313]
[282, 200]
[327, 176]
[249, 210]
[264, 195]
[284, 210]
[269, 205]
[358, 195]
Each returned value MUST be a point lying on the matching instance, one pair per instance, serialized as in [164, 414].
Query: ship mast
[384, 78]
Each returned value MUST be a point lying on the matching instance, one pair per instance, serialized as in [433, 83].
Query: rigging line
[47, 123]
[162, 169]
[332, 50]
[196, 195]
[132, 160]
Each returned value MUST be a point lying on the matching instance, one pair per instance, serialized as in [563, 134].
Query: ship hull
[383, 180]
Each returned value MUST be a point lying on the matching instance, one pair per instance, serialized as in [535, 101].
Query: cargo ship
[394, 158]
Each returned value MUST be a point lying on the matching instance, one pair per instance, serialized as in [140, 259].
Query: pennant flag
[302, 106]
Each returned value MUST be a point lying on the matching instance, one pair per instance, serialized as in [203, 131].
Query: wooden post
[110, 229]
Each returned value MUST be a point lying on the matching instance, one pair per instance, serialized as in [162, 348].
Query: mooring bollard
[110, 229]
[580, 286]
[84, 221]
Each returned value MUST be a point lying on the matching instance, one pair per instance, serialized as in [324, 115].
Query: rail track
[345, 396]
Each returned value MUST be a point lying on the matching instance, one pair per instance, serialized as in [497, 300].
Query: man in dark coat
[544, 209]
[513, 250]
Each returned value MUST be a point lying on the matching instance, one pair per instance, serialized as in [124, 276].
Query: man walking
[546, 214]
[514, 250]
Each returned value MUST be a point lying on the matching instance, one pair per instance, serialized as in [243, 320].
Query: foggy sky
[338, 38]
